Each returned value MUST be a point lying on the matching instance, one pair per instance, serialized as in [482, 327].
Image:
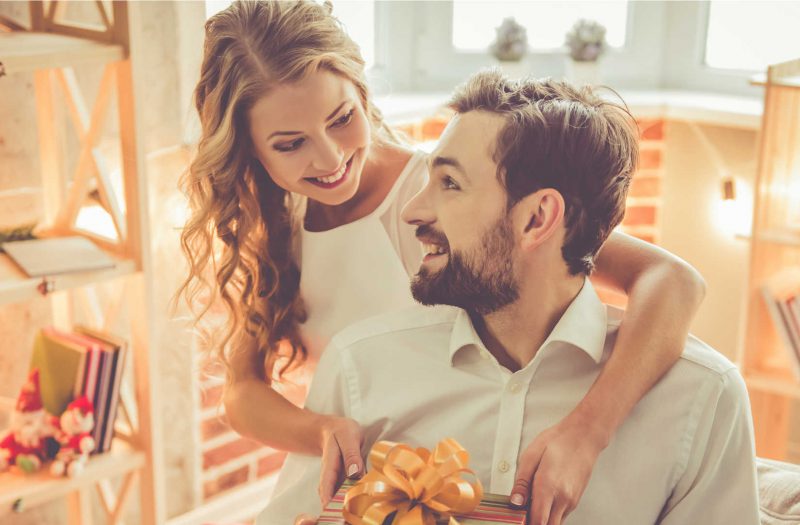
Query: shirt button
[514, 388]
[503, 466]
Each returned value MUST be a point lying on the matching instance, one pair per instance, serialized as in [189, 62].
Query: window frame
[685, 67]
[664, 50]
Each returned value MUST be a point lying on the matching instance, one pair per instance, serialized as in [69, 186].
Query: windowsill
[692, 106]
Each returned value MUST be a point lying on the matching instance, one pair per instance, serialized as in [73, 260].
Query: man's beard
[481, 281]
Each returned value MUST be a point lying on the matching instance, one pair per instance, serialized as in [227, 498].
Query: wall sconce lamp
[729, 189]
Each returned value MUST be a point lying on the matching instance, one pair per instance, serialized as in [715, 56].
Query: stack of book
[782, 294]
[82, 362]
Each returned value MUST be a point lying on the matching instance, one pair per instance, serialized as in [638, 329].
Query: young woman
[296, 192]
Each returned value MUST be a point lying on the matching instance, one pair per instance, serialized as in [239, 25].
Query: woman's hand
[555, 469]
[305, 519]
[341, 454]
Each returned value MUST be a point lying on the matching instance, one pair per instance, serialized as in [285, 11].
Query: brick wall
[643, 213]
[228, 460]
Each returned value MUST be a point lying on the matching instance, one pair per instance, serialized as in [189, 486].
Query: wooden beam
[8, 24]
[80, 119]
[36, 9]
[79, 508]
[89, 32]
[124, 496]
[101, 8]
[108, 499]
[77, 192]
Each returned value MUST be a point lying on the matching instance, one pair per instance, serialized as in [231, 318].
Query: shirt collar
[583, 325]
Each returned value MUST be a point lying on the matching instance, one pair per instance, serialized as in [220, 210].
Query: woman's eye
[344, 119]
[289, 146]
[449, 183]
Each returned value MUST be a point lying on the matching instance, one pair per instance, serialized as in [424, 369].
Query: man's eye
[448, 183]
[343, 120]
[289, 146]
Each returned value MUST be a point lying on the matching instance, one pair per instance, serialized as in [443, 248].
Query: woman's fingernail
[352, 470]
[517, 499]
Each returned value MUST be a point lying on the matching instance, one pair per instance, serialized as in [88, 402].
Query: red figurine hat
[30, 396]
[83, 404]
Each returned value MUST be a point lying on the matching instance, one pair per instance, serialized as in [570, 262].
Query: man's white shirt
[684, 455]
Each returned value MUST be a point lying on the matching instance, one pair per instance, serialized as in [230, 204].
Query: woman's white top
[362, 268]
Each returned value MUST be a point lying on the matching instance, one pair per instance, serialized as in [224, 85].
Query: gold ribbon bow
[417, 485]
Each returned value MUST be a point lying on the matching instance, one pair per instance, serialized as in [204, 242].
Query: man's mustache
[428, 235]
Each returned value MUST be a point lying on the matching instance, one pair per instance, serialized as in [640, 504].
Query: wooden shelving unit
[31, 51]
[48, 49]
[775, 246]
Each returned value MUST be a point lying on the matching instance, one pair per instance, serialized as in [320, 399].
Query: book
[43, 257]
[60, 363]
[116, 373]
[87, 380]
[778, 292]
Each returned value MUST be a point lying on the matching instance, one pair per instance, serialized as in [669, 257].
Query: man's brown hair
[562, 137]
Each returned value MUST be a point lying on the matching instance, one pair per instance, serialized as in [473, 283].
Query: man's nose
[418, 210]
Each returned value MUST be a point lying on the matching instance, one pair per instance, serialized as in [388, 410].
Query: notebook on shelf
[57, 255]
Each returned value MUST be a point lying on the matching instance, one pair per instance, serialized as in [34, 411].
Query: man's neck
[515, 333]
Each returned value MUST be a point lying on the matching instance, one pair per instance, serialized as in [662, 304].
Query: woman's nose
[329, 156]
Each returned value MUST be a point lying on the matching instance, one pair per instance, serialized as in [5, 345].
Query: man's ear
[538, 216]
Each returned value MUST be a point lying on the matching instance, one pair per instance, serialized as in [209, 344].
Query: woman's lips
[334, 180]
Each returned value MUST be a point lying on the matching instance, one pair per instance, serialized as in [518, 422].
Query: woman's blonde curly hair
[250, 47]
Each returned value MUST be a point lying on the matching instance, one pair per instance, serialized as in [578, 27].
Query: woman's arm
[255, 410]
[664, 293]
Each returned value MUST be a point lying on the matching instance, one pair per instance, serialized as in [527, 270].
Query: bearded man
[526, 184]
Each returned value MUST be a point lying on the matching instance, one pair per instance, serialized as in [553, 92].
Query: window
[752, 35]
[546, 22]
[357, 17]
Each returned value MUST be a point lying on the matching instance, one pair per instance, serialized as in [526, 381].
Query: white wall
[691, 227]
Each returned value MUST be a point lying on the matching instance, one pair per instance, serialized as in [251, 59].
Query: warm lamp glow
[733, 212]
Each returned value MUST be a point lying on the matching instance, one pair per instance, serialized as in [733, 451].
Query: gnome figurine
[25, 444]
[75, 436]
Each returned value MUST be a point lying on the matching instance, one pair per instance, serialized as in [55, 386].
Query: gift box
[493, 509]
[408, 486]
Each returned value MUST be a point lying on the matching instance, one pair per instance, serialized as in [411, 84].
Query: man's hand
[305, 519]
[341, 455]
[555, 468]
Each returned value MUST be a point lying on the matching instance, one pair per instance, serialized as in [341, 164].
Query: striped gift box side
[492, 510]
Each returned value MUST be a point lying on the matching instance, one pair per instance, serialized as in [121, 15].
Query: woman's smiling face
[312, 137]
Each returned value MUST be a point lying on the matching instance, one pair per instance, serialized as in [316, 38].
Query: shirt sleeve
[718, 485]
[296, 489]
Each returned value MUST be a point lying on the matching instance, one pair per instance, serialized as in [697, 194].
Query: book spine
[781, 326]
[91, 373]
[111, 409]
[100, 398]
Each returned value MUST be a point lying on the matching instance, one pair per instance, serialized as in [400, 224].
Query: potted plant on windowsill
[510, 47]
[586, 43]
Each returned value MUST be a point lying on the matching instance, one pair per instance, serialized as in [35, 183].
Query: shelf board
[785, 237]
[16, 286]
[773, 384]
[34, 489]
[29, 51]
[788, 81]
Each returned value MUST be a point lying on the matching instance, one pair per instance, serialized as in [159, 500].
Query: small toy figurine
[75, 436]
[25, 444]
